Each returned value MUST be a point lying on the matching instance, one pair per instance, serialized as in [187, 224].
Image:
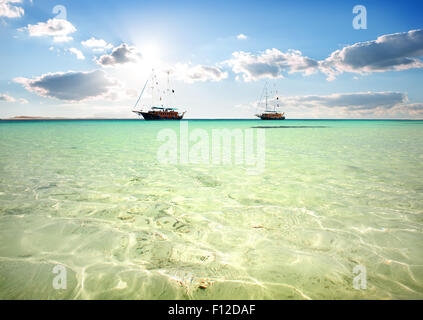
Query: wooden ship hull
[160, 115]
[271, 116]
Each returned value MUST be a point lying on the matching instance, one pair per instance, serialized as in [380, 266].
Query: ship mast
[277, 98]
[168, 98]
[152, 88]
[266, 97]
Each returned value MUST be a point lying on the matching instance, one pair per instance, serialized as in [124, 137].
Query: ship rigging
[268, 113]
[155, 112]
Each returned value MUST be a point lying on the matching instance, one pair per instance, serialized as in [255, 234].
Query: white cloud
[59, 39]
[398, 51]
[241, 36]
[9, 10]
[357, 104]
[97, 45]
[57, 28]
[6, 98]
[412, 109]
[78, 53]
[351, 101]
[120, 55]
[391, 52]
[271, 63]
[73, 85]
[132, 93]
[198, 73]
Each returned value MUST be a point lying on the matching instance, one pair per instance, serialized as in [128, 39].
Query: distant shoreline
[64, 118]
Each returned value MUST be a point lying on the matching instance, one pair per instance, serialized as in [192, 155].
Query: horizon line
[41, 118]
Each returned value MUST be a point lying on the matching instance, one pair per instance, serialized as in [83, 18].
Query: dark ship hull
[160, 115]
[271, 116]
[264, 117]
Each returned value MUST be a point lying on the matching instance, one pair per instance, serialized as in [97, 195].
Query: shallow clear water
[93, 197]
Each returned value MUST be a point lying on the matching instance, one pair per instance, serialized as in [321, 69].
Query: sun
[151, 54]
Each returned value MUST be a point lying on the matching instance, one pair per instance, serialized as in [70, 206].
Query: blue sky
[95, 60]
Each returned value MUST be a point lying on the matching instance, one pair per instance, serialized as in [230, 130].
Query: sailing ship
[161, 112]
[268, 113]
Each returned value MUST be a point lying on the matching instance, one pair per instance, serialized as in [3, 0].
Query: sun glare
[151, 54]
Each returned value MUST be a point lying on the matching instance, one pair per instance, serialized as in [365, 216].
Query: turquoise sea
[94, 197]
